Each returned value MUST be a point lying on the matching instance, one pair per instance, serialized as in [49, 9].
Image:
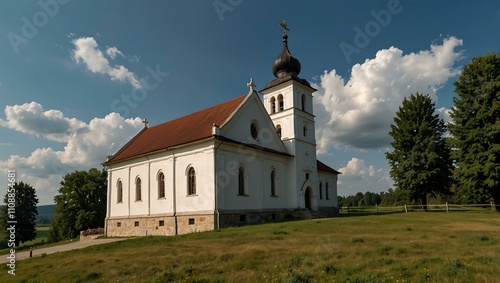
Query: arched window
[281, 104]
[119, 191]
[326, 190]
[303, 102]
[273, 105]
[161, 185]
[273, 183]
[191, 181]
[320, 190]
[278, 130]
[304, 131]
[241, 181]
[138, 194]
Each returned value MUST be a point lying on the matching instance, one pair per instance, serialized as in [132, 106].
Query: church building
[247, 160]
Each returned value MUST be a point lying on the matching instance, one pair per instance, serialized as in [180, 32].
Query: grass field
[402, 247]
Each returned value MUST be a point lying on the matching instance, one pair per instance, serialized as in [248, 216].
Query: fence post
[349, 210]
[492, 206]
[447, 207]
[406, 209]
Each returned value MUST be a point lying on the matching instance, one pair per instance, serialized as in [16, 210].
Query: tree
[420, 163]
[23, 211]
[80, 204]
[476, 129]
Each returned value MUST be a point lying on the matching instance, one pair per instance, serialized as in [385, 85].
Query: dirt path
[60, 248]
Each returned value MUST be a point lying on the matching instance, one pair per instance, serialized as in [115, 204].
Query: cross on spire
[285, 27]
[251, 85]
[145, 121]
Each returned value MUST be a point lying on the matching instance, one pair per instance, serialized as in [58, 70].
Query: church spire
[285, 64]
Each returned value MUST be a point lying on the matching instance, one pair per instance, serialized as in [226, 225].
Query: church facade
[247, 160]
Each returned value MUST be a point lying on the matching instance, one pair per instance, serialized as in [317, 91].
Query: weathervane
[285, 27]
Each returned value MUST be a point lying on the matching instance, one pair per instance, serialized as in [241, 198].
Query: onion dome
[286, 64]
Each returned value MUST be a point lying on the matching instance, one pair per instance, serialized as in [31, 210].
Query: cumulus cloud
[31, 118]
[357, 113]
[113, 51]
[84, 149]
[87, 51]
[359, 177]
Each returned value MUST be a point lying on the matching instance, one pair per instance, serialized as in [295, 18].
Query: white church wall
[252, 111]
[257, 167]
[201, 158]
[330, 179]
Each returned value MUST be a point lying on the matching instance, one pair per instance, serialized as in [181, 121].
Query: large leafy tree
[420, 162]
[476, 129]
[24, 213]
[80, 204]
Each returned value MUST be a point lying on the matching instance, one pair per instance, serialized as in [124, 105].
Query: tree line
[461, 159]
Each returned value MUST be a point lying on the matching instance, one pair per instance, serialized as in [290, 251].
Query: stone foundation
[158, 225]
[170, 225]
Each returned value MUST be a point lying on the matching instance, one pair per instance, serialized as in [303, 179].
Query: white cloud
[87, 51]
[31, 118]
[113, 51]
[359, 177]
[45, 167]
[358, 113]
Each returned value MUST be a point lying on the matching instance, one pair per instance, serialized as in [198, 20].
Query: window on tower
[281, 104]
[278, 130]
[303, 102]
[273, 105]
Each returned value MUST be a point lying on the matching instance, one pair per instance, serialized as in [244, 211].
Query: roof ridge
[201, 110]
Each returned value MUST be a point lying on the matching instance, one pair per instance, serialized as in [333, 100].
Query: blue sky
[77, 77]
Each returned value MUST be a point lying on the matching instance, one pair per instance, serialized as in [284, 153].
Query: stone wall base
[191, 223]
[158, 225]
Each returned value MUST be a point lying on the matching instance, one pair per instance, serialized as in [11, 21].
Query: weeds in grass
[358, 240]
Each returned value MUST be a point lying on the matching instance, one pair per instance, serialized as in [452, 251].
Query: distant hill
[45, 213]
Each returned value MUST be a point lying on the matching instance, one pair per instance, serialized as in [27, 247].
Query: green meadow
[398, 247]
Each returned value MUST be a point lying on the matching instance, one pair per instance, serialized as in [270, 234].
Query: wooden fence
[408, 208]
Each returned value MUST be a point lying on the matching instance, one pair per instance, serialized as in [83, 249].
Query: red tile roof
[323, 167]
[190, 128]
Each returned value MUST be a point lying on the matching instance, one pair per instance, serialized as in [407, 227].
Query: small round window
[253, 131]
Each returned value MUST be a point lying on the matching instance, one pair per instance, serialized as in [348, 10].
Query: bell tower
[288, 101]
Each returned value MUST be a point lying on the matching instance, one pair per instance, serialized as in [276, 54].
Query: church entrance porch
[308, 197]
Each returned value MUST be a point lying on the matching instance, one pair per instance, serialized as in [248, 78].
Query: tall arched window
[281, 104]
[191, 181]
[119, 191]
[326, 190]
[161, 185]
[303, 102]
[273, 105]
[320, 190]
[138, 193]
[273, 183]
[241, 181]
[278, 130]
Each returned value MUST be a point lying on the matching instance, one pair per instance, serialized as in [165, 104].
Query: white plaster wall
[238, 128]
[331, 179]
[258, 165]
[201, 158]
